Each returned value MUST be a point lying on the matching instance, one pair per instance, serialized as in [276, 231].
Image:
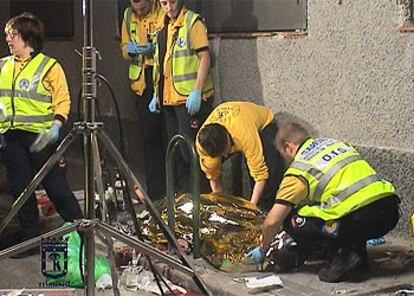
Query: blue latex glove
[376, 241]
[193, 103]
[46, 138]
[153, 107]
[133, 48]
[146, 48]
[256, 255]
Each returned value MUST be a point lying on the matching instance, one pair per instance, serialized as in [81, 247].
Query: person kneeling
[330, 197]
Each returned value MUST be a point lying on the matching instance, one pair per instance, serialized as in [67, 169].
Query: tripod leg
[123, 166]
[106, 240]
[19, 202]
[98, 176]
[37, 240]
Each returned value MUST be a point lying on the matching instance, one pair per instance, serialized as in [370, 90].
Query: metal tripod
[92, 131]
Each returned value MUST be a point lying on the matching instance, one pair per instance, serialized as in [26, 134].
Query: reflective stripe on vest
[333, 200]
[29, 104]
[135, 66]
[2, 62]
[324, 178]
[339, 180]
[33, 119]
[185, 63]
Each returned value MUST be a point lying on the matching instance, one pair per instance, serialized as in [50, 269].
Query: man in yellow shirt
[142, 20]
[35, 94]
[330, 197]
[182, 79]
[249, 129]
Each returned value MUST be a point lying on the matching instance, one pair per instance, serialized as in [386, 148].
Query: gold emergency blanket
[229, 227]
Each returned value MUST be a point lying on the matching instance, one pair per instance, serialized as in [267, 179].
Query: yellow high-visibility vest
[339, 180]
[28, 104]
[135, 67]
[185, 62]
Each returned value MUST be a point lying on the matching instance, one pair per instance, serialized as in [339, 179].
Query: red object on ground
[44, 204]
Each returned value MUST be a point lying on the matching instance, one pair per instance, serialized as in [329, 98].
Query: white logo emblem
[182, 42]
[24, 84]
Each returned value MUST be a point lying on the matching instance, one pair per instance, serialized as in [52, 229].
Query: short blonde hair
[291, 132]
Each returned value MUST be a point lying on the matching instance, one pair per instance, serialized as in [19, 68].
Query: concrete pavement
[392, 266]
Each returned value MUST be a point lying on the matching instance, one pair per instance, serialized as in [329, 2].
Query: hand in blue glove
[133, 48]
[256, 255]
[146, 48]
[193, 103]
[46, 138]
[153, 107]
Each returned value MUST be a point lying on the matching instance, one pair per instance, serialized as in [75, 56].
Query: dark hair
[291, 132]
[213, 139]
[30, 29]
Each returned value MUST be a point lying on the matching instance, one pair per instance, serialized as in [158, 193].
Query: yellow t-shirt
[199, 40]
[292, 190]
[55, 82]
[243, 121]
[147, 27]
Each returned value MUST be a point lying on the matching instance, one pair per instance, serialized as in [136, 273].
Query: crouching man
[330, 198]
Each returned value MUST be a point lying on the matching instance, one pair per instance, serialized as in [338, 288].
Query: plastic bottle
[110, 202]
[119, 192]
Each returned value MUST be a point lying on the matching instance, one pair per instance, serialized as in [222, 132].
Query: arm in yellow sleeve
[199, 42]
[55, 82]
[124, 41]
[291, 192]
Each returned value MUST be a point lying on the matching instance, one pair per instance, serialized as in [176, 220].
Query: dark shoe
[287, 258]
[359, 274]
[341, 267]
[27, 253]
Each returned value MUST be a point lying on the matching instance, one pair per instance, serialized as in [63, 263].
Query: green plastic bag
[73, 277]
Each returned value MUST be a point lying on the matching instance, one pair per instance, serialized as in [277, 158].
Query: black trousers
[151, 126]
[178, 121]
[349, 232]
[21, 167]
[275, 164]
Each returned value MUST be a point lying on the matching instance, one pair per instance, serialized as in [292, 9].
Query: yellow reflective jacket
[135, 67]
[339, 180]
[28, 104]
[185, 61]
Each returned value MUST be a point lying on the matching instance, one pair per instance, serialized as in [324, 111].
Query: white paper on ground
[260, 284]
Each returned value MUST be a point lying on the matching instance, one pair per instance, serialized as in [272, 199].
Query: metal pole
[145, 248]
[21, 200]
[123, 166]
[195, 189]
[89, 97]
[37, 240]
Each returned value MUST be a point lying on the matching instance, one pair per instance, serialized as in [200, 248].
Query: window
[56, 15]
[245, 16]
[248, 16]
